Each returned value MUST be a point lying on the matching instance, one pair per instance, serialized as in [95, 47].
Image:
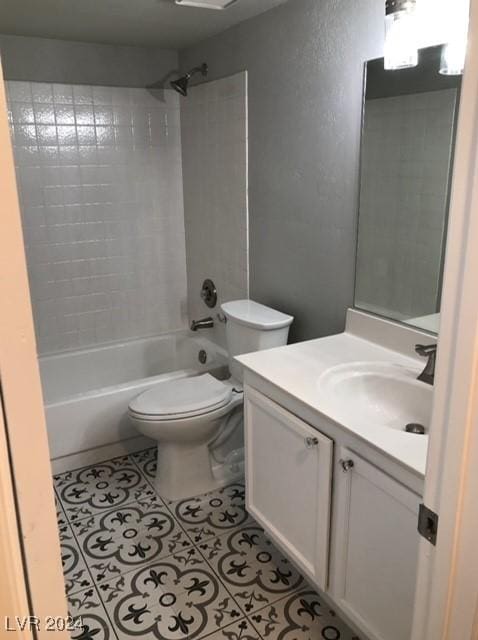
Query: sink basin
[377, 394]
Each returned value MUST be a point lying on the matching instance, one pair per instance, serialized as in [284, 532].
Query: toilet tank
[251, 327]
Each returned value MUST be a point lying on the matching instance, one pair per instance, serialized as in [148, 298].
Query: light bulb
[401, 43]
[453, 58]
[454, 51]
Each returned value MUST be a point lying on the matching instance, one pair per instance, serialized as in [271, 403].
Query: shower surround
[100, 181]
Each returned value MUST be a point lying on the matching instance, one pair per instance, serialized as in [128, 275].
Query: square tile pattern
[116, 185]
[99, 176]
[136, 565]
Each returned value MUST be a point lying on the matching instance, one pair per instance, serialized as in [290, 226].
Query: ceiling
[158, 23]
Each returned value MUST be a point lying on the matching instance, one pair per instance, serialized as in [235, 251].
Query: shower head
[181, 84]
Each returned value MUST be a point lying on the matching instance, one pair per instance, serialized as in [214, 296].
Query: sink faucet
[205, 323]
[427, 351]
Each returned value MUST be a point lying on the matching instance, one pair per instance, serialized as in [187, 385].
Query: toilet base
[185, 465]
[184, 471]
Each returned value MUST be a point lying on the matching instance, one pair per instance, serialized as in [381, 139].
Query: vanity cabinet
[368, 567]
[375, 548]
[288, 483]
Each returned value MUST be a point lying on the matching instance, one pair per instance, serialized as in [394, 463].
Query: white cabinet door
[375, 550]
[288, 482]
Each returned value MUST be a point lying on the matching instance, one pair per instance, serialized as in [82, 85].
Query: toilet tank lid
[253, 314]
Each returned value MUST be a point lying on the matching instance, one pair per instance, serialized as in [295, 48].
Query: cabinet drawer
[288, 482]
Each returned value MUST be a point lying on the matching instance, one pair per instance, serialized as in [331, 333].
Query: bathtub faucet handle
[205, 323]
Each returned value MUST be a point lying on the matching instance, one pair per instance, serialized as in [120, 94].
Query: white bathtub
[87, 392]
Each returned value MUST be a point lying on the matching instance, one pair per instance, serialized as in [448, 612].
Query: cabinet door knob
[346, 465]
[311, 442]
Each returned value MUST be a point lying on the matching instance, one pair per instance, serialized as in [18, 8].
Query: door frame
[446, 601]
[39, 585]
[13, 589]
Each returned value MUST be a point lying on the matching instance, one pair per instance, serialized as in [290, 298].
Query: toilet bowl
[184, 416]
[190, 416]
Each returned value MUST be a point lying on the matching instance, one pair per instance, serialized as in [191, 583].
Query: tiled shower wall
[100, 181]
[403, 202]
[214, 149]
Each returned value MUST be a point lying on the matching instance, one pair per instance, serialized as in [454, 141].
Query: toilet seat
[184, 398]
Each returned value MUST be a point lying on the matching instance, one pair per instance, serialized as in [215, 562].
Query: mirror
[408, 136]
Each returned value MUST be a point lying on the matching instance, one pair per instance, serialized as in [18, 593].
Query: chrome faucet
[427, 351]
[205, 323]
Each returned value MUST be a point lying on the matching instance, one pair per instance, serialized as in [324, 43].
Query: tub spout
[205, 323]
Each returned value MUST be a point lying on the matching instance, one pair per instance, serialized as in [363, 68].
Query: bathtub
[87, 392]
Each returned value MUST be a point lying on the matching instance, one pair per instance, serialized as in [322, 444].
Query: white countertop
[297, 368]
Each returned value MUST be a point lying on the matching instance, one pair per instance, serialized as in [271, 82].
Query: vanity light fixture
[401, 42]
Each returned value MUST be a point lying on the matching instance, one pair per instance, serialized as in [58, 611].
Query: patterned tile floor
[137, 566]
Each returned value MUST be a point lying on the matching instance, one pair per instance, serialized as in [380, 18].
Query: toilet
[187, 416]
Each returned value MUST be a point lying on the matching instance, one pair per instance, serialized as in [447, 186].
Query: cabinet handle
[346, 465]
[311, 442]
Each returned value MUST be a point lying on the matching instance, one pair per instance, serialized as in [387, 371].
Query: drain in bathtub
[202, 356]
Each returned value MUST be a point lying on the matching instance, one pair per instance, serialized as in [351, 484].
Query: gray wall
[45, 60]
[305, 64]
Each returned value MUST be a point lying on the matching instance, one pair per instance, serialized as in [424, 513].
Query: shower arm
[202, 69]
